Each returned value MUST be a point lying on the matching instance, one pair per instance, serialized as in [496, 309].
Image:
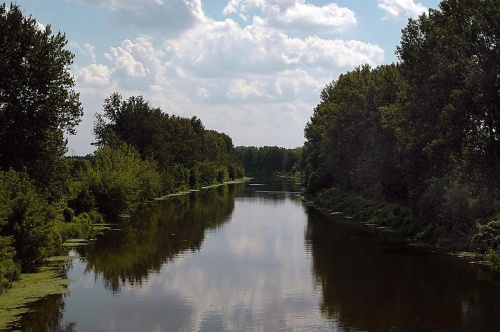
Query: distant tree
[269, 159]
[37, 102]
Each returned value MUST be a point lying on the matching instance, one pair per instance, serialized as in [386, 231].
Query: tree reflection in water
[371, 282]
[158, 234]
[46, 315]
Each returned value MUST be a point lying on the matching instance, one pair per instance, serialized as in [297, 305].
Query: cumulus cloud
[295, 15]
[238, 79]
[87, 49]
[223, 49]
[401, 9]
[40, 26]
[93, 76]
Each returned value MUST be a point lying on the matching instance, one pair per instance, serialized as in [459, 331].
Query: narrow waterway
[253, 257]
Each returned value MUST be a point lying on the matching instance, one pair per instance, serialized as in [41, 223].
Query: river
[254, 257]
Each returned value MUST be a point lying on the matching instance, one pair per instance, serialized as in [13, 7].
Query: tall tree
[349, 142]
[451, 60]
[37, 101]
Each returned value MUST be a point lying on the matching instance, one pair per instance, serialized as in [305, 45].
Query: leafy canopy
[37, 101]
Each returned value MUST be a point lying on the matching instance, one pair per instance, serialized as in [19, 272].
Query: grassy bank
[47, 280]
[477, 245]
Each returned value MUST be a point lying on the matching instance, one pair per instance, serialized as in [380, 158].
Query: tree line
[423, 133]
[270, 160]
[141, 152]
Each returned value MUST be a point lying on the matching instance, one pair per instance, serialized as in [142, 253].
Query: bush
[27, 217]
[235, 171]
[487, 237]
[79, 227]
[68, 214]
[83, 202]
[222, 174]
[9, 270]
[119, 181]
[204, 174]
[450, 204]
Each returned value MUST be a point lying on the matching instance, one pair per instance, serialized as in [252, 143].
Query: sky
[253, 69]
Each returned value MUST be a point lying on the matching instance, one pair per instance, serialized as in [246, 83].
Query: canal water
[254, 257]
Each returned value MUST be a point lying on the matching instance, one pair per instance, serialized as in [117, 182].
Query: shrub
[79, 227]
[119, 180]
[487, 237]
[222, 174]
[235, 171]
[450, 204]
[204, 174]
[9, 270]
[68, 214]
[83, 202]
[27, 217]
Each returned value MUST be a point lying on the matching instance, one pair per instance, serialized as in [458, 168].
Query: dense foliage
[47, 198]
[25, 217]
[423, 133]
[37, 103]
[269, 159]
[115, 183]
[187, 154]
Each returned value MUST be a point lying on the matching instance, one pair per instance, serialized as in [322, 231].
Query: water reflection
[370, 282]
[46, 315]
[253, 258]
[158, 234]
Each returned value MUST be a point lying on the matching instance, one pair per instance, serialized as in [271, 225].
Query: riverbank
[31, 287]
[401, 220]
[49, 279]
[186, 192]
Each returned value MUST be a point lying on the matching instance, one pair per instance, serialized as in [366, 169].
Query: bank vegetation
[47, 197]
[416, 145]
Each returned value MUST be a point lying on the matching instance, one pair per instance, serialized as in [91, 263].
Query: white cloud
[93, 76]
[241, 90]
[223, 49]
[202, 92]
[401, 9]
[40, 26]
[125, 63]
[87, 49]
[238, 80]
[296, 15]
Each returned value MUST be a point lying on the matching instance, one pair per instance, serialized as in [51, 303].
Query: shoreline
[47, 280]
[397, 219]
[32, 287]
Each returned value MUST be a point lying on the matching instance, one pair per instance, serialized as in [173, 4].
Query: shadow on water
[158, 234]
[46, 315]
[362, 279]
[155, 236]
[375, 282]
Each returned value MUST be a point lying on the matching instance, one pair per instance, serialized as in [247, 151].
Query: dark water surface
[253, 257]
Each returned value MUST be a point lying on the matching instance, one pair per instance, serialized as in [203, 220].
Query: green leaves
[37, 103]
[26, 216]
[350, 141]
[427, 129]
[120, 180]
[178, 145]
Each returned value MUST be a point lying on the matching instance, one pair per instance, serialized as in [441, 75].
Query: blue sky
[253, 69]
